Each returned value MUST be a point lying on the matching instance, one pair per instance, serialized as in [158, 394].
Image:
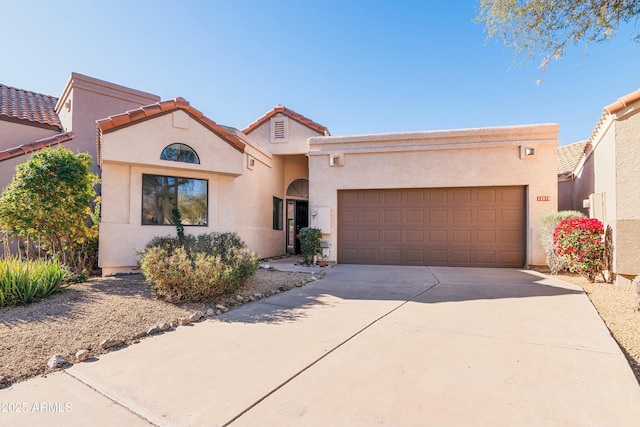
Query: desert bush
[23, 281]
[197, 268]
[548, 224]
[579, 242]
[310, 243]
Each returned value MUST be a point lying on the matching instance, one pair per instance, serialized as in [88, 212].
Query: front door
[297, 218]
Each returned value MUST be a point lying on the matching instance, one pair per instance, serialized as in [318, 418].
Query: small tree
[310, 243]
[48, 203]
[579, 241]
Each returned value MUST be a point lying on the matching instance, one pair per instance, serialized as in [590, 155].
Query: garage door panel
[415, 216]
[437, 216]
[475, 226]
[460, 217]
[392, 217]
[392, 236]
[415, 236]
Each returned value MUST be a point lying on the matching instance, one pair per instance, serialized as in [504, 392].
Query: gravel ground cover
[119, 308]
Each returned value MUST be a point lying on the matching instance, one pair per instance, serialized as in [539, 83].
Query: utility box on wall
[321, 219]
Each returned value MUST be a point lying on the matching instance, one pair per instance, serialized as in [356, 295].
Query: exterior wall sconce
[527, 152]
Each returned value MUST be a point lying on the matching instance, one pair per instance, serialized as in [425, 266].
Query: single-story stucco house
[601, 178]
[465, 197]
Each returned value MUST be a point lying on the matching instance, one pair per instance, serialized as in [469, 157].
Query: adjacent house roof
[25, 106]
[292, 115]
[569, 156]
[160, 108]
[623, 102]
[34, 146]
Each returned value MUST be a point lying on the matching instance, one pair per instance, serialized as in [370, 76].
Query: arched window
[180, 153]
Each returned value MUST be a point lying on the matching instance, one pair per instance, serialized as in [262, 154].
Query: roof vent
[279, 129]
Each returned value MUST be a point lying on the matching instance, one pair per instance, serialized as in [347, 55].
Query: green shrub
[197, 268]
[579, 242]
[310, 243]
[23, 281]
[548, 224]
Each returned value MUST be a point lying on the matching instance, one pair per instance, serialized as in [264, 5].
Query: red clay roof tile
[146, 112]
[34, 146]
[292, 115]
[23, 105]
[623, 102]
[569, 156]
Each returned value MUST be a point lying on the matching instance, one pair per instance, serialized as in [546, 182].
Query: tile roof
[608, 115]
[23, 105]
[292, 115]
[569, 156]
[623, 102]
[160, 108]
[34, 146]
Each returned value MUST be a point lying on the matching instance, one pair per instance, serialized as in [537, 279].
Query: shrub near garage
[579, 242]
[197, 268]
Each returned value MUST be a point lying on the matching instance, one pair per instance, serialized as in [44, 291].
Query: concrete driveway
[366, 345]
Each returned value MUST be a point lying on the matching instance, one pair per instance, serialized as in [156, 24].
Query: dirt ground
[83, 315]
[120, 307]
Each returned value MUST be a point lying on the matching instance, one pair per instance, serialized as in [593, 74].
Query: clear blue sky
[354, 66]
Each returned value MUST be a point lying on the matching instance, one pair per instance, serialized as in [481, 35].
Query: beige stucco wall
[296, 141]
[253, 202]
[456, 158]
[627, 202]
[129, 152]
[15, 134]
[86, 99]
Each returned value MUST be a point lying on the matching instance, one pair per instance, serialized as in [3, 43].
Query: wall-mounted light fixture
[529, 151]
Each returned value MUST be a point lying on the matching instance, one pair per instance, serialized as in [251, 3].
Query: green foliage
[310, 243]
[548, 224]
[177, 220]
[48, 203]
[579, 241]
[197, 268]
[23, 281]
[547, 27]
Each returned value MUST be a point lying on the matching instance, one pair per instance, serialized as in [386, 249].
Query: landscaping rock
[218, 312]
[153, 330]
[4, 380]
[210, 312]
[164, 327]
[222, 307]
[239, 298]
[257, 295]
[184, 322]
[111, 343]
[56, 361]
[195, 317]
[174, 324]
[139, 335]
[83, 355]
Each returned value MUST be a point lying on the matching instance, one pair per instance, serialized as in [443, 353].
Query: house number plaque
[544, 198]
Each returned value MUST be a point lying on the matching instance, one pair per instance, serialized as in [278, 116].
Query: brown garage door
[475, 226]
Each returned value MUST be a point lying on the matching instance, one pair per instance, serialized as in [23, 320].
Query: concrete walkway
[366, 345]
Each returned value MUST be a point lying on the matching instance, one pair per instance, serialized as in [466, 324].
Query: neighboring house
[469, 197]
[605, 181]
[28, 122]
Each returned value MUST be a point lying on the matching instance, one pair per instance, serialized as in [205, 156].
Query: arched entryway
[297, 213]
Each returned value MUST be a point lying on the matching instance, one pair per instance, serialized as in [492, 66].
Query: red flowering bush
[579, 242]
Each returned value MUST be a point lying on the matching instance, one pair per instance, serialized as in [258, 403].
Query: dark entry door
[297, 218]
